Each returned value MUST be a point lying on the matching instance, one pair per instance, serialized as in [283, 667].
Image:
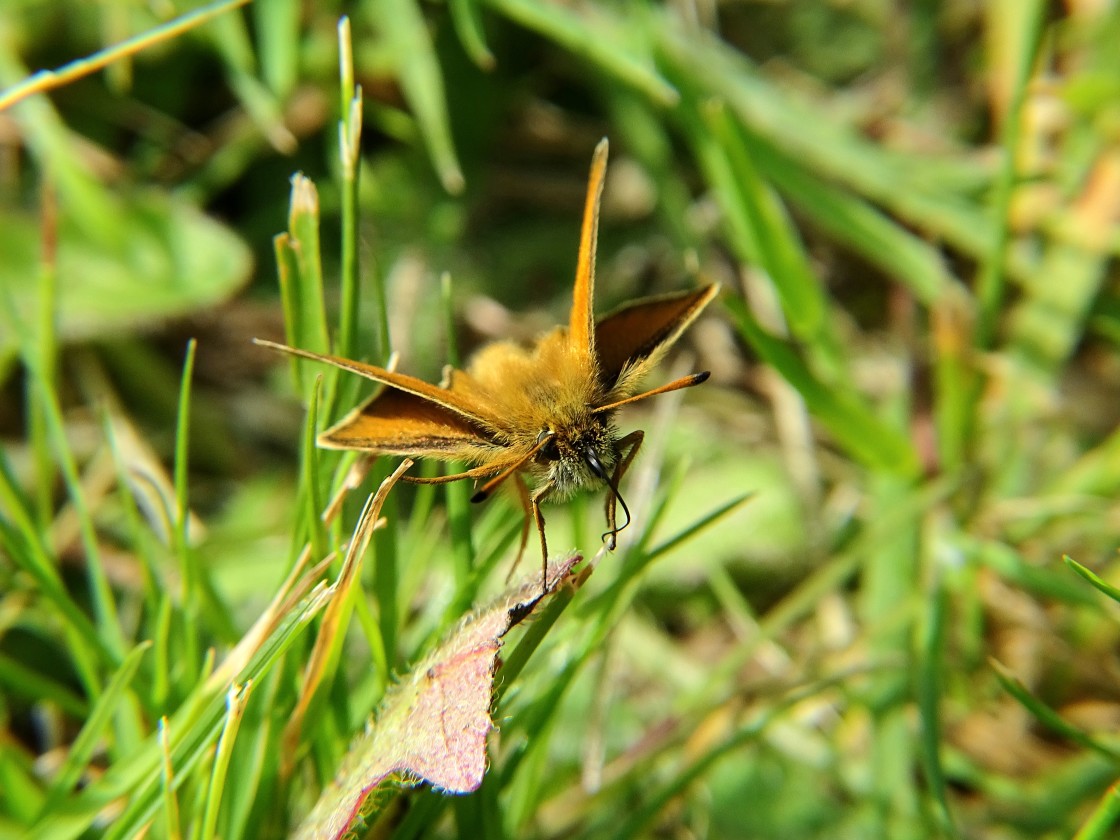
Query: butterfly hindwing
[634, 336]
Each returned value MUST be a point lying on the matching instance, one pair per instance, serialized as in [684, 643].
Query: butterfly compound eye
[548, 450]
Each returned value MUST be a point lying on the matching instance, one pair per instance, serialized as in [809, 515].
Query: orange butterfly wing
[458, 403]
[399, 423]
[581, 322]
[410, 417]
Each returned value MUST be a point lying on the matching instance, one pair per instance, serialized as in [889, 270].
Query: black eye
[594, 463]
[549, 451]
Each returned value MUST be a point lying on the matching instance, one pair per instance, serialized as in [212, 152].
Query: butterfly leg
[627, 448]
[535, 500]
[526, 507]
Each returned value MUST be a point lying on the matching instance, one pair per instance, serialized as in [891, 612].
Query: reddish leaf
[432, 725]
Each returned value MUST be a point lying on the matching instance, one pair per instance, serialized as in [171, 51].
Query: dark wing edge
[450, 400]
[396, 422]
[634, 336]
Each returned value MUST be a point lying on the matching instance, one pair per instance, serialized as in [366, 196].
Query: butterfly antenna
[684, 382]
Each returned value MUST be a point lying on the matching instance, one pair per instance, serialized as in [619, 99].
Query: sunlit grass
[842, 609]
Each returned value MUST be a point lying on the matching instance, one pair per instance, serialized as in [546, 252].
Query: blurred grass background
[913, 208]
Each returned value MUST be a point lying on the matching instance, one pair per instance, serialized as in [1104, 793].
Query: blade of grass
[830, 150]
[602, 611]
[1052, 317]
[349, 142]
[514, 663]
[906, 258]
[309, 475]
[1050, 718]
[287, 272]
[23, 791]
[276, 25]
[20, 680]
[22, 543]
[327, 650]
[104, 607]
[952, 324]
[236, 700]
[180, 536]
[636, 823]
[303, 228]
[457, 493]
[170, 801]
[417, 69]
[47, 339]
[930, 675]
[847, 418]
[139, 538]
[757, 217]
[1023, 20]
[236, 54]
[1041, 581]
[1101, 823]
[831, 576]
[82, 749]
[45, 80]
[196, 725]
[598, 36]
[467, 20]
[1097, 582]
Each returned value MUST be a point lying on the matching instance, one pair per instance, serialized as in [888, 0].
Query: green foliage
[912, 209]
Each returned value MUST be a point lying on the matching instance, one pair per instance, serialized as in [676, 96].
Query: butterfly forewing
[633, 335]
[398, 423]
[581, 323]
[461, 404]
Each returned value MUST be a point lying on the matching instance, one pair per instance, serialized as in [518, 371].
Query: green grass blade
[930, 677]
[599, 37]
[466, 17]
[45, 80]
[277, 26]
[761, 220]
[235, 51]
[831, 150]
[20, 680]
[906, 258]
[22, 543]
[1101, 823]
[81, 751]
[853, 425]
[46, 332]
[181, 537]
[310, 472]
[1094, 579]
[172, 821]
[1049, 718]
[1026, 19]
[303, 228]
[236, 700]
[417, 68]
[457, 493]
[194, 727]
[104, 606]
[349, 141]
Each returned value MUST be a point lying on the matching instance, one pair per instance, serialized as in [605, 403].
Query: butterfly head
[578, 455]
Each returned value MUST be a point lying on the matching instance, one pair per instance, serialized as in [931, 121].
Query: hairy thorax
[542, 398]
